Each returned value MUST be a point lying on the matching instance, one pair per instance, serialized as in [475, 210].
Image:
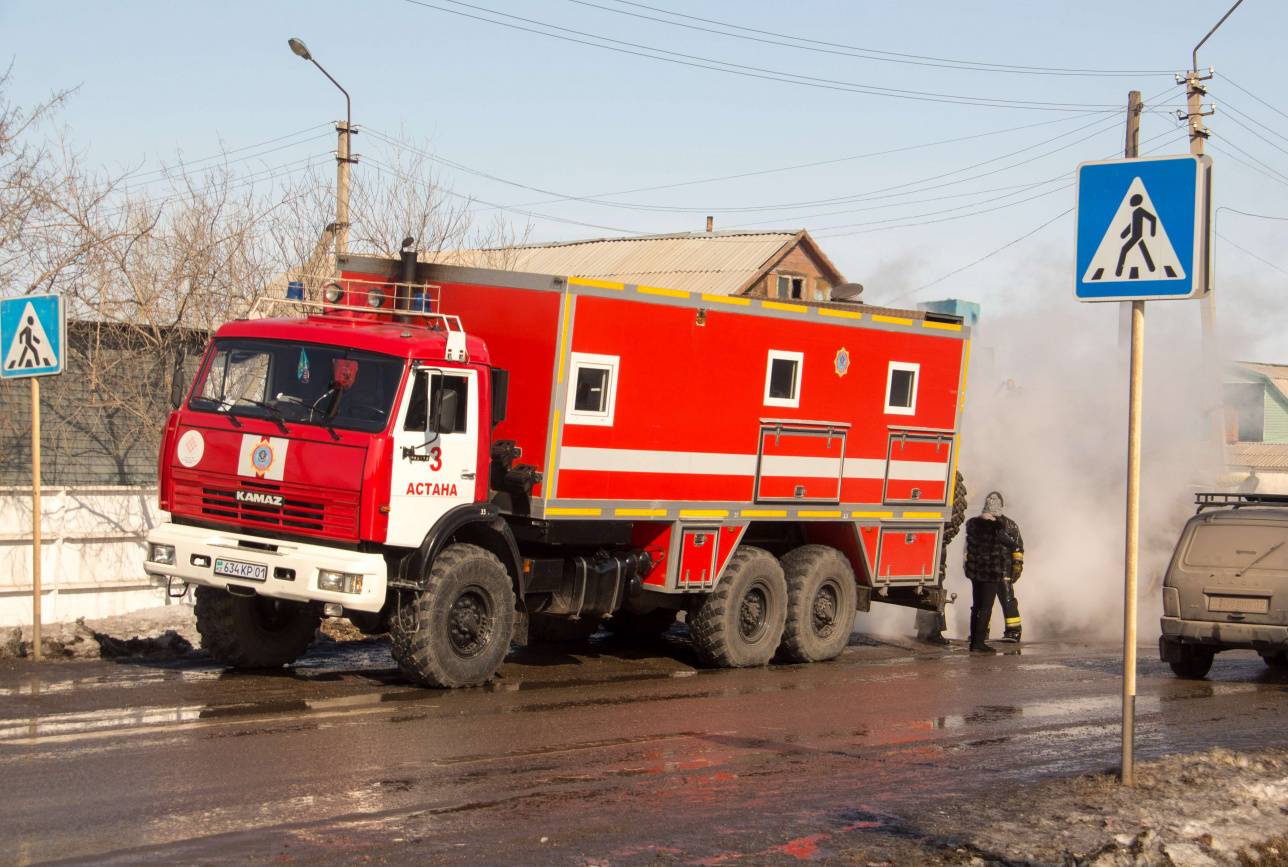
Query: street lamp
[342, 157]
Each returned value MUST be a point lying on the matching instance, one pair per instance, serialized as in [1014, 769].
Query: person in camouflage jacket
[994, 561]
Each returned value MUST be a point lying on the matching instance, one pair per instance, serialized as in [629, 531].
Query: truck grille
[268, 505]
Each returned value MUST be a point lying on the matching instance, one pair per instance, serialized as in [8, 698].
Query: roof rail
[311, 294]
[1212, 499]
[433, 321]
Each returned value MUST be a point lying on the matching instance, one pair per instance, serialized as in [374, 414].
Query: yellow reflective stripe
[554, 446]
[1012, 621]
[790, 308]
[568, 510]
[891, 320]
[656, 290]
[725, 299]
[809, 513]
[942, 326]
[563, 338]
[839, 314]
[597, 284]
[922, 515]
[1017, 555]
[704, 513]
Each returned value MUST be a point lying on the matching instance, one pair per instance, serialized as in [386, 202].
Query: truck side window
[592, 389]
[783, 378]
[422, 399]
[901, 388]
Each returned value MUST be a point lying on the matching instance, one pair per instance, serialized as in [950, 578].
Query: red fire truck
[463, 456]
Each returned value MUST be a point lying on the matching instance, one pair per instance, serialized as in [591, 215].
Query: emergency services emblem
[842, 361]
[262, 457]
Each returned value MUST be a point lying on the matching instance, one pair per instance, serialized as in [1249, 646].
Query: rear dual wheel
[820, 604]
[740, 623]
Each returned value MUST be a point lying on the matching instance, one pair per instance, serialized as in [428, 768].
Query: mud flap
[1169, 651]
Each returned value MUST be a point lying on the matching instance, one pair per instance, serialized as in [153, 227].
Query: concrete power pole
[1194, 114]
[343, 160]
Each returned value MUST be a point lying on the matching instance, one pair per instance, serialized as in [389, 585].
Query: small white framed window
[901, 388]
[783, 378]
[592, 389]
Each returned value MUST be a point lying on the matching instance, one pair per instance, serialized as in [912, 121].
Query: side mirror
[442, 410]
[177, 384]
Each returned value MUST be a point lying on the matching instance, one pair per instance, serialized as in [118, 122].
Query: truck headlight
[161, 554]
[339, 582]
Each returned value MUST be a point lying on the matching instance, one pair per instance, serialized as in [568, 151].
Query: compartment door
[908, 555]
[698, 549]
[917, 467]
[800, 462]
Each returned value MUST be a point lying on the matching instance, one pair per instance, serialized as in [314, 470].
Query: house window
[1245, 404]
[783, 378]
[791, 287]
[901, 388]
[592, 389]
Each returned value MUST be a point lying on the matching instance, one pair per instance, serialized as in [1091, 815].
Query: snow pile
[1211, 808]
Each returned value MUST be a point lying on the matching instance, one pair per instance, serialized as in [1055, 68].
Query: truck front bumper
[1225, 636]
[196, 549]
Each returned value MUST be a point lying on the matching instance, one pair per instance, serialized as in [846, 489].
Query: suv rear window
[1238, 546]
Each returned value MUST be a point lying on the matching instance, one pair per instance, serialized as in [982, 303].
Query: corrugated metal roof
[1260, 456]
[1276, 373]
[719, 263]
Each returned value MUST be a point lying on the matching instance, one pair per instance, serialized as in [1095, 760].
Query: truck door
[433, 472]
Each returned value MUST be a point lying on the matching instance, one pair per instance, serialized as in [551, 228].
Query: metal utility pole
[37, 647]
[1194, 114]
[1131, 558]
[343, 156]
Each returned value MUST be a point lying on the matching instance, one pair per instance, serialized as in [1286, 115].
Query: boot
[936, 637]
[1012, 635]
[981, 647]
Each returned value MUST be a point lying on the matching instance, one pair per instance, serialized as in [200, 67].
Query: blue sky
[160, 78]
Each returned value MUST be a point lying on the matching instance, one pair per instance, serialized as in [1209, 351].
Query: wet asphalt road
[594, 753]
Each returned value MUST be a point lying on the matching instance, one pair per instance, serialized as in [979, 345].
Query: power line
[1243, 114]
[1238, 86]
[396, 173]
[965, 64]
[986, 256]
[600, 197]
[1250, 253]
[1250, 214]
[223, 155]
[1240, 123]
[1265, 169]
[857, 52]
[763, 73]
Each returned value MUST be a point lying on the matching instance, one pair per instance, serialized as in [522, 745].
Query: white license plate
[238, 569]
[1241, 604]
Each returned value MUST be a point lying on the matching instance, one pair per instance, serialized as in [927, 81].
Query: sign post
[33, 343]
[1144, 233]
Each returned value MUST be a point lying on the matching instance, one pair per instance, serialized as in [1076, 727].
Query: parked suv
[1227, 584]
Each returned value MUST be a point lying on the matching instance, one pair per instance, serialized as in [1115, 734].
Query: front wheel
[740, 623]
[456, 631]
[1276, 660]
[253, 631]
[1192, 663]
[820, 603]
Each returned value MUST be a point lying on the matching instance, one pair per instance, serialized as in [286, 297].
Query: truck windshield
[293, 382]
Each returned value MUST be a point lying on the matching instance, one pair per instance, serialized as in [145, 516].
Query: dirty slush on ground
[1215, 807]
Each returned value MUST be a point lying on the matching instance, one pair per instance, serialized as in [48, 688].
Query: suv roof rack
[1212, 499]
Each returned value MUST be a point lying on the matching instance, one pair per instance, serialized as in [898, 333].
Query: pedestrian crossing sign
[1144, 228]
[33, 336]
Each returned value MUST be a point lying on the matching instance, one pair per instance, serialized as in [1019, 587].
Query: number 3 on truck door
[435, 459]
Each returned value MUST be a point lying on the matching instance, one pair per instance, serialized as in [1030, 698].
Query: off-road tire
[556, 629]
[1277, 661]
[648, 626]
[821, 598]
[1194, 662]
[954, 525]
[254, 631]
[457, 630]
[740, 623]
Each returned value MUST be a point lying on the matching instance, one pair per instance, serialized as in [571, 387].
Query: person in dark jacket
[994, 561]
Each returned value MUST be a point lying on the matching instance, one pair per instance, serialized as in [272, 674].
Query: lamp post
[342, 156]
